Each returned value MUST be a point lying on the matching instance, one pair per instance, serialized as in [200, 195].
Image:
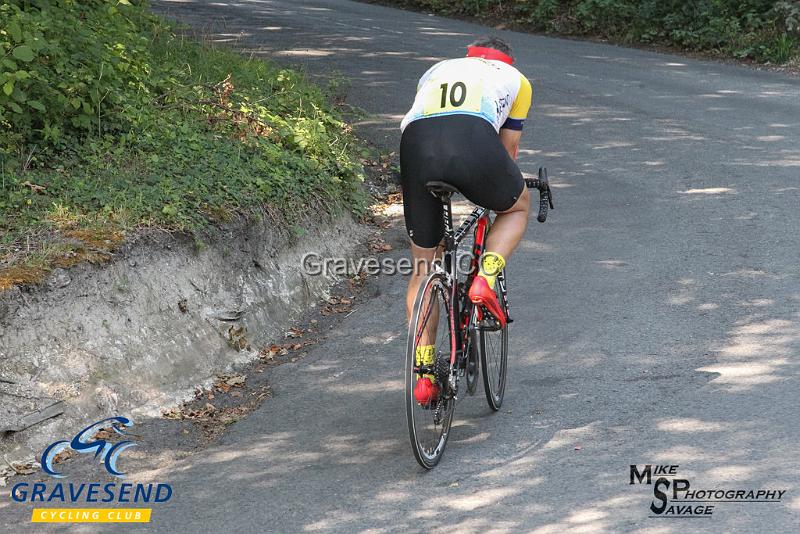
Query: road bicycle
[469, 341]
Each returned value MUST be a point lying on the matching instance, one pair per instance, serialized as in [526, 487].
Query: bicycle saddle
[441, 188]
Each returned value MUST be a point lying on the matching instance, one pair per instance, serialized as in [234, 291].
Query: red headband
[489, 53]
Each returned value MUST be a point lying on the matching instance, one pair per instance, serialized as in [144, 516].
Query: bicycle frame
[461, 306]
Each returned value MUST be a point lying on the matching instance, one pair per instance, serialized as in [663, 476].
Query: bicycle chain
[441, 368]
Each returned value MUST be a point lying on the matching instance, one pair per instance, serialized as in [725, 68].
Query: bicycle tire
[473, 370]
[429, 437]
[494, 358]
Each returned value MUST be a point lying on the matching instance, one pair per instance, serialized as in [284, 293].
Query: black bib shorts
[464, 151]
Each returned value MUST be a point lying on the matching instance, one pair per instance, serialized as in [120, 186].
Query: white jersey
[490, 89]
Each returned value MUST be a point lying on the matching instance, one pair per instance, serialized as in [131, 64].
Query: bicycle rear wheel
[429, 425]
[473, 365]
[494, 354]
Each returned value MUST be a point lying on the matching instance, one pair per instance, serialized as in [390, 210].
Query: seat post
[449, 244]
[447, 206]
[444, 192]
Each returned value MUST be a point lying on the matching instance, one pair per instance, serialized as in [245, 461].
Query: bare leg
[509, 227]
[421, 259]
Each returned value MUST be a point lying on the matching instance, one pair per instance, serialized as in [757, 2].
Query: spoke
[494, 349]
[430, 424]
[431, 304]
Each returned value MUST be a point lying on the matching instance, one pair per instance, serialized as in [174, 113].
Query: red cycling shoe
[426, 392]
[481, 293]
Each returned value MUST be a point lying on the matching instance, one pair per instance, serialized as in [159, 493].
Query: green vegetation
[109, 121]
[762, 30]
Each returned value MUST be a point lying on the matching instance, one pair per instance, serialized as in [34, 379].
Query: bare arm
[510, 140]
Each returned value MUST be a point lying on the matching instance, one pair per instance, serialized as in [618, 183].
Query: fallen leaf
[26, 469]
[379, 245]
[63, 456]
[103, 433]
[235, 381]
[172, 413]
[294, 332]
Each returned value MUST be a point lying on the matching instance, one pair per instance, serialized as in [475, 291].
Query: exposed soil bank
[142, 332]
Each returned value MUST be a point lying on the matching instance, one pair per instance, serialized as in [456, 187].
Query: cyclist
[464, 128]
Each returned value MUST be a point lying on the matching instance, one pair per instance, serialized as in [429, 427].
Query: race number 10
[455, 101]
[453, 96]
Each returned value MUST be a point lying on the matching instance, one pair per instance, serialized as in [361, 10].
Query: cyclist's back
[451, 134]
[486, 88]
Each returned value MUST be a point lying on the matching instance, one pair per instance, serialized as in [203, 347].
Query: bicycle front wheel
[494, 354]
[429, 423]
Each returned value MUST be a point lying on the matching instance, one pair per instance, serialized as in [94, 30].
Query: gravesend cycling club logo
[83, 443]
[91, 440]
[676, 497]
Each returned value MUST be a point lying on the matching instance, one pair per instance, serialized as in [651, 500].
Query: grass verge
[120, 124]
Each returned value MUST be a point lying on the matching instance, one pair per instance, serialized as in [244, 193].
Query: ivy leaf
[8, 88]
[23, 53]
[35, 104]
[15, 107]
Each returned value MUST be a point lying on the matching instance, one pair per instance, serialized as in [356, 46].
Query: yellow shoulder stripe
[522, 104]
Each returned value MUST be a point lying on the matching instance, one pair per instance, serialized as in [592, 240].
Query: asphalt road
[656, 312]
